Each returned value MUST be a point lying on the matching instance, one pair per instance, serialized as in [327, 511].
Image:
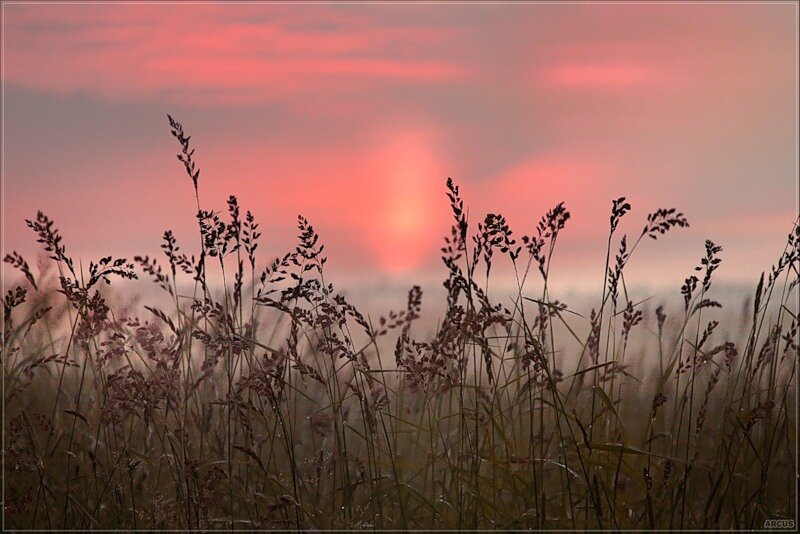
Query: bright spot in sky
[408, 214]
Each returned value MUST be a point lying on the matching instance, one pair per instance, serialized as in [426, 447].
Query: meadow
[269, 401]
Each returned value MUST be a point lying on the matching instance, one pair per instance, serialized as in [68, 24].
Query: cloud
[610, 74]
[214, 54]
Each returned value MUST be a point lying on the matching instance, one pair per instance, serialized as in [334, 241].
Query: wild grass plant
[265, 401]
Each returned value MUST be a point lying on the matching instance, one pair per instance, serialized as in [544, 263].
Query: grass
[266, 401]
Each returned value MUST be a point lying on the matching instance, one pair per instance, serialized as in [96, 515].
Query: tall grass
[266, 401]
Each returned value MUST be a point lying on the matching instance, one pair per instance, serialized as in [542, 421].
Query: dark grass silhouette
[264, 402]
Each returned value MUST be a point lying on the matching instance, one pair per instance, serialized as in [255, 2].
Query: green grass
[269, 401]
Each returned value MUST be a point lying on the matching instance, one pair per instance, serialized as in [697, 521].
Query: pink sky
[354, 115]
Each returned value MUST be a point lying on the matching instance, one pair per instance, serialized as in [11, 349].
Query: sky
[355, 115]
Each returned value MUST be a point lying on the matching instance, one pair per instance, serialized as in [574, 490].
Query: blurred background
[355, 115]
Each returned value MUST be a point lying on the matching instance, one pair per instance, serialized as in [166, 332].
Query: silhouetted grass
[264, 402]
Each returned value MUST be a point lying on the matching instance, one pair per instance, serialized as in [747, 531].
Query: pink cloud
[213, 51]
[613, 74]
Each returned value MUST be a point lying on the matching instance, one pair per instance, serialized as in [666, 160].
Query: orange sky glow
[355, 115]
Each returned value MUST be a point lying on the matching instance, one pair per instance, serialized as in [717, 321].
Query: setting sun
[410, 206]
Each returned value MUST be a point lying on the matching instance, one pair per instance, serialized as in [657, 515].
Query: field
[268, 401]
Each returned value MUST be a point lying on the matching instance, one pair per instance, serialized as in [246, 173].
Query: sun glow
[407, 210]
